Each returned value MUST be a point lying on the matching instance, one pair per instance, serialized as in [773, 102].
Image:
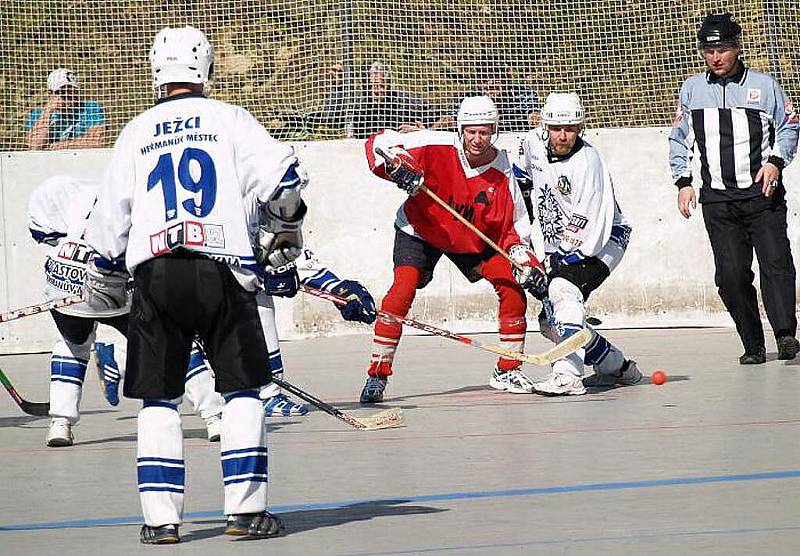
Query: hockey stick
[40, 308]
[39, 409]
[559, 351]
[386, 419]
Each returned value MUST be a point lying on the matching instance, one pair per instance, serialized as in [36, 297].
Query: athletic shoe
[259, 525]
[107, 371]
[513, 381]
[281, 406]
[214, 427]
[788, 346]
[373, 389]
[60, 433]
[754, 358]
[628, 375]
[560, 384]
[163, 534]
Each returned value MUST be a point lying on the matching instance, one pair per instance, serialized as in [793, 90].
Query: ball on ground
[658, 377]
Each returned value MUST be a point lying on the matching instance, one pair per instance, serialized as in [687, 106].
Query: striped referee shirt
[731, 127]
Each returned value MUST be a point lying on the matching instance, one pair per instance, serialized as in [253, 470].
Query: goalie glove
[403, 169]
[281, 281]
[532, 277]
[360, 306]
[105, 286]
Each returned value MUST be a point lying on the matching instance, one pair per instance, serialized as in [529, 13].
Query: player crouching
[468, 171]
[585, 236]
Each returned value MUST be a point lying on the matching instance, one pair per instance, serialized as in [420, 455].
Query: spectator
[377, 106]
[518, 104]
[744, 129]
[66, 121]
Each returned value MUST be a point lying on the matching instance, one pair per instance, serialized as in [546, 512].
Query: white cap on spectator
[61, 77]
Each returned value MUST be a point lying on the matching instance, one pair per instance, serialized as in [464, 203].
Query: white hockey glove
[532, 277]
[105, 289]
[279, 241]
[403, 169]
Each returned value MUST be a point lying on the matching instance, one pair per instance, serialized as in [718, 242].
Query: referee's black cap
[719, 29]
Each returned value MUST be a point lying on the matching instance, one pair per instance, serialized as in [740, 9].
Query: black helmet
[719, 29]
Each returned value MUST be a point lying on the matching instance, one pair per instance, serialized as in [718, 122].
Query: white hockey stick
[40, 308]
[559, 351]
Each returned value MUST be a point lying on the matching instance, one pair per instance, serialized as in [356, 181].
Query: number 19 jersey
[177, 178]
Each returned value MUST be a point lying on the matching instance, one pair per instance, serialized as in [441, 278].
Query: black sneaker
[754, 358]
[259, 525]
[788, 346]
[164, 534]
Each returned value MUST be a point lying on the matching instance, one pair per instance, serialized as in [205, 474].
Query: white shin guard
[161, 470]
[570, 317]
[67, 372]
[244, 453]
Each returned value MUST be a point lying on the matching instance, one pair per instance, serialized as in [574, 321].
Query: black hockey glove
[282, 281]
[360, 306]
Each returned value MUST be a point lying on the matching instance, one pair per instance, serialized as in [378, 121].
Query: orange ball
[658, 377]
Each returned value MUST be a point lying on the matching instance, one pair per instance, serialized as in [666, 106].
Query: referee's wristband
[683, 181]
[777, 161]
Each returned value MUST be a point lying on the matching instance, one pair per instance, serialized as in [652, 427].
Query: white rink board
[666, 277]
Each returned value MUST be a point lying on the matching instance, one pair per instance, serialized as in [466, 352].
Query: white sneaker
[628, 375]
[214, 427]
[560, 384]
[59, 433]
[513, 381]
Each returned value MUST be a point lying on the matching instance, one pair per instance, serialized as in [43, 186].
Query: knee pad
[568, 309]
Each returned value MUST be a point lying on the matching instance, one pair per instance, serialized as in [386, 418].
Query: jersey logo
[753, 95]
[577, 223]
[466, 210]
[564, 186]
[791, 115]
[550, 217]
[481, 198]
[187, 233]
[72, 251]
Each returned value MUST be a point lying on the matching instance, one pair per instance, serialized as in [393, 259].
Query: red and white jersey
[485, 196]
[57, 214]
[573, 197]
[178, 176]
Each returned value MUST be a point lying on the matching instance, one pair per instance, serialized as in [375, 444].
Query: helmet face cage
[181, 55]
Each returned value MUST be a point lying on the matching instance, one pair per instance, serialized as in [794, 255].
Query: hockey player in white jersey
[57, 215]
[171, 212]
[585, 236]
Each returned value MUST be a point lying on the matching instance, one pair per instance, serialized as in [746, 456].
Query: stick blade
[387, 419]
[562, 349]
[37, 409]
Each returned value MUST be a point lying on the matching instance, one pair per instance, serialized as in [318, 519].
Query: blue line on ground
[635, 536]
[442, 497]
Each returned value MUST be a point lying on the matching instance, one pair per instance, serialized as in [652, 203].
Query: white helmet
[61, 77]
[181, 55]
[477, 110]
[562, 109]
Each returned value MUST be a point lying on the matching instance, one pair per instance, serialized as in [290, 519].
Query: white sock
[244, 453]
[160, 465]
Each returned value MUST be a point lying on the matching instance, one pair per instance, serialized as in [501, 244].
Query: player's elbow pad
[285, 203]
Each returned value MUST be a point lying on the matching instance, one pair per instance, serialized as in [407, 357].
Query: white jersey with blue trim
[572, 197]
[178, 177]
[57, 214]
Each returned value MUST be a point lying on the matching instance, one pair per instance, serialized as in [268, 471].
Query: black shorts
[177, 297]
[412, 251]
[587, 275]
[76, 330]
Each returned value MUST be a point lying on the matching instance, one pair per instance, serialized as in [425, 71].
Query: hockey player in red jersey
[472, 176]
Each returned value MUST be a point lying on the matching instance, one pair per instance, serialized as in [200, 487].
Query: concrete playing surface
[708, 463]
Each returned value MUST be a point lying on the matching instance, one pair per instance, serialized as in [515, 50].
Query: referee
[744, 130]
